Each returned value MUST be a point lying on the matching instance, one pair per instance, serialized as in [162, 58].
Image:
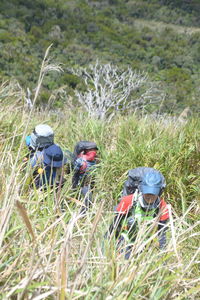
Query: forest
[160, 37]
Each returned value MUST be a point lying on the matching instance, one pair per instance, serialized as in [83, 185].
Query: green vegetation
[47, 251]
[159, 37]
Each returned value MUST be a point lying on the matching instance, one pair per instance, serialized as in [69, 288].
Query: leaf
[24, 215]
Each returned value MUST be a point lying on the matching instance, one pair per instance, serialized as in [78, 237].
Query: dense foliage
[126, 33]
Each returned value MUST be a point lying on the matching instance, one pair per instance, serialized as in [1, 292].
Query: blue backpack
[51, 163]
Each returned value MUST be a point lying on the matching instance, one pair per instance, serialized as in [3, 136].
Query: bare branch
[109, 89]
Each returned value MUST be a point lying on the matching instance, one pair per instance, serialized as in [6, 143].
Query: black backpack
[84, 145]
[81, 146]
[135, 179]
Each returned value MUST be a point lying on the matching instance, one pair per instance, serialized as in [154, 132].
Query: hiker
[84, 164]
[45, 157]
[141, 202]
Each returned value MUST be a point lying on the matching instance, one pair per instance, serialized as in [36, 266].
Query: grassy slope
[58, 254]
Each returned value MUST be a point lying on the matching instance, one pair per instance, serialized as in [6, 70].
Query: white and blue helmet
[42, 136]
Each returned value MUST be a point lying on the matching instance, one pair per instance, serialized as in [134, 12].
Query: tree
[109, 90]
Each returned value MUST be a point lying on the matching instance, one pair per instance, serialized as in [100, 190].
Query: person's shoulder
[125, 204]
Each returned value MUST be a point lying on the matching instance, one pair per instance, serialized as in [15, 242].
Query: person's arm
[162, 228]
[36, 159]
[75, 179]
[76, 172]
[78, 164]
[121, 211]
[162, 225]
[116, 226]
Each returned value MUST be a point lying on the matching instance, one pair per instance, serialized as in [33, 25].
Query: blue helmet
[152, 183]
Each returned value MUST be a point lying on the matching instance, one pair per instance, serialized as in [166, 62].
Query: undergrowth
[49, 252]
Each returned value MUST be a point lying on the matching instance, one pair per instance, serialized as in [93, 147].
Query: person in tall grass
[45, 157]
[84, 165]
[145, 205]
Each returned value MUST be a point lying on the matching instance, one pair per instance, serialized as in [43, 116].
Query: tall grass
[49, 252]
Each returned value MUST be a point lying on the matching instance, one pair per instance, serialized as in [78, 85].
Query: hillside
[158, 37]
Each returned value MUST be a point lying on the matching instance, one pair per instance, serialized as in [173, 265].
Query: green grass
[48, 252]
